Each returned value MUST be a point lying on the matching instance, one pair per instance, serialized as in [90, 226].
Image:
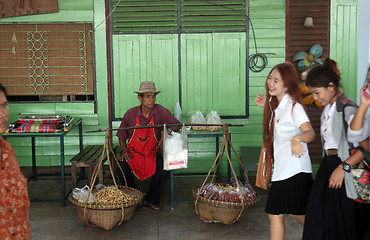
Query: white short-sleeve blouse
[287, 123]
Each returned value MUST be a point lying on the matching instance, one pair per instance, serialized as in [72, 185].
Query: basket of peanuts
[105, 206]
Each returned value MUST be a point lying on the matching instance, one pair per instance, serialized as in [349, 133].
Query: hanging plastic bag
[213, 118]
[175, 149]
[198, 118]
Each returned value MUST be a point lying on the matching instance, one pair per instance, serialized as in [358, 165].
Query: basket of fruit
[225, 203]
[219, 202]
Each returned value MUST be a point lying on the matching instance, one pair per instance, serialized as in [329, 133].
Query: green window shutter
[144, 57]
[142, 16]
[215, 15]
[195, 16]
[213, 73]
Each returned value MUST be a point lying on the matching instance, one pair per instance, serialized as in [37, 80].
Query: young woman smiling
[331, 210]
[286, 132]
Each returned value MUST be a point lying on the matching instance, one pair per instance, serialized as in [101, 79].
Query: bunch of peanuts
[109, 196]
[213, 128]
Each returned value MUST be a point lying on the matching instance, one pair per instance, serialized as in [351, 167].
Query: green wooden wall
[343, 42]
[268, 18]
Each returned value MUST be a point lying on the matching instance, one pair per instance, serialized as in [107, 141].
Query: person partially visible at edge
[360, 126]
[359, 131]
[141, 155]
[331, 209]
[14, 202]
[286, 132]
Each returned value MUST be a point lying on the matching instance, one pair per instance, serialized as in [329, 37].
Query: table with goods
[45, 126]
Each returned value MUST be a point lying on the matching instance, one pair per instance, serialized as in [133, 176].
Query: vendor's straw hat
[147, 87]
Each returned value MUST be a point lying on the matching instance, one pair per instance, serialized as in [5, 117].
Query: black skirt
[289, 196]
[331, 215]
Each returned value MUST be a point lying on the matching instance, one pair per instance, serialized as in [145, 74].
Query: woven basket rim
[139, 195]
[217, 202]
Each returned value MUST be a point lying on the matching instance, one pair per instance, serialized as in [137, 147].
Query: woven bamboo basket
[107, 216]
[220, 211]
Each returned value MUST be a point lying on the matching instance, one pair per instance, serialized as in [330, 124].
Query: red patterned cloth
[37, 127]
[39, 121]
[14, 202]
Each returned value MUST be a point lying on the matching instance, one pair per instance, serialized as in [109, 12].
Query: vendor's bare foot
[154, 207]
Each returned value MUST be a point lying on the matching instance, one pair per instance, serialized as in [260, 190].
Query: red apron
[143, 148]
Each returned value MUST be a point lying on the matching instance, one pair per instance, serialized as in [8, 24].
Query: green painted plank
[32, 108]
[75, 5]
[343, 42]
[41, 161]
[61, 16]
[266, 4]
[75, 108]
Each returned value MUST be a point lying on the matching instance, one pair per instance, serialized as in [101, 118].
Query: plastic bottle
[177, 112]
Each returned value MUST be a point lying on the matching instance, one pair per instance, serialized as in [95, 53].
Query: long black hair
[322, 75]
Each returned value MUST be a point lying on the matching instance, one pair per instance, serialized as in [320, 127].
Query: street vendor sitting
[140, 155]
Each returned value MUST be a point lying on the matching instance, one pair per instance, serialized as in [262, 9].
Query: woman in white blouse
[286, 132]
[331, 210]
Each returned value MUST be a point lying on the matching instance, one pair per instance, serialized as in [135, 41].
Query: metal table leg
[62, 169]
[34, 168]
[171, 190]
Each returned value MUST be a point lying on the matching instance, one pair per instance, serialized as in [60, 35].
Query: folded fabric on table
[50, 120]
[37, 127]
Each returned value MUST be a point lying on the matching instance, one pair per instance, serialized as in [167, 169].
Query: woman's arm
[366, 144]
[336, 178]
[358, 120]
[307, 136]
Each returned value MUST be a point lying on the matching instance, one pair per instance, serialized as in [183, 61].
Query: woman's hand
[364, 99]
[297, 148]
[260, 100]
[336, 178]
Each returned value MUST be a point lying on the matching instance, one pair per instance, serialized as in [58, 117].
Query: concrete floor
[49, 220]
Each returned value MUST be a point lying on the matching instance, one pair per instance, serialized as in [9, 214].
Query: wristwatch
[346, 167]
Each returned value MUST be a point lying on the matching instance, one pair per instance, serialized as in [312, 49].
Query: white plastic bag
[175, 150]
[213, 118]
[82, 194]
[178, 112]
[198, 118]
